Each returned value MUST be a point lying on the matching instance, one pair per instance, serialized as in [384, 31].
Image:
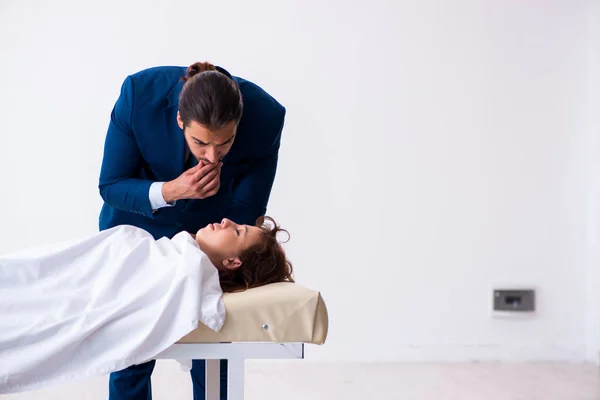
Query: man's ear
[232, 263]
[179, 120]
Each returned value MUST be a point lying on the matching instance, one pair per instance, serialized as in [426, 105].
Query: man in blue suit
[186, 147]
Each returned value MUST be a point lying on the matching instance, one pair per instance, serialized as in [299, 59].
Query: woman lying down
[119, 297]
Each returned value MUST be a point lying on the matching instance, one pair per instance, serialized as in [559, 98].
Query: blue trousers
[133, 383]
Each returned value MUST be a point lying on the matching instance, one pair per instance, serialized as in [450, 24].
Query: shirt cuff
[156, 198]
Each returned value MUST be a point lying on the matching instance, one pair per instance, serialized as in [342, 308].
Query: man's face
[206, 145]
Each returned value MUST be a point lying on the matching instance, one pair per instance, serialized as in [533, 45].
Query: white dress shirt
[156, 197]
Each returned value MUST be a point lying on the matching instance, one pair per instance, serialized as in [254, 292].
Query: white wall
[592, 328]
[433, 150]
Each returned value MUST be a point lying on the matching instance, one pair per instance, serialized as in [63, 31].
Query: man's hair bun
[198, 67]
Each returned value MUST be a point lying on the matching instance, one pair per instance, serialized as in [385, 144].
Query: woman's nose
[225, 222]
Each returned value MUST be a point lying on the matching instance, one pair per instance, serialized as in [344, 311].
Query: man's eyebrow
[222, 144]
[198, 140]
[227, 141]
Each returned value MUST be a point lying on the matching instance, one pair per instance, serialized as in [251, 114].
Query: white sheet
[101, 304]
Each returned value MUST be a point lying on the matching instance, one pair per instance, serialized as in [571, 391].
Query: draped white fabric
[100, 304]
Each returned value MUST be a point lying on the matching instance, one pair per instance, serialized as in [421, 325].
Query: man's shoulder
[258, 99]
[170, 73]
[156, 80]
[262, 119]
[151, 88]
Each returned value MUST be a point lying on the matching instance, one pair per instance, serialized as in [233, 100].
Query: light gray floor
[290, 380]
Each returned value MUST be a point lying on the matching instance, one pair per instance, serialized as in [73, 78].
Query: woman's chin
[206, 229]
[198, 237]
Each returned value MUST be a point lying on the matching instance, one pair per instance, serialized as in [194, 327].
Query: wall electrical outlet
[514, 300]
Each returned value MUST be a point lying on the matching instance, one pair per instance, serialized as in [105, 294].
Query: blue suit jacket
[144, 144]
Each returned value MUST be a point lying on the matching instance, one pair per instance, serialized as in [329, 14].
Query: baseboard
[593, 356]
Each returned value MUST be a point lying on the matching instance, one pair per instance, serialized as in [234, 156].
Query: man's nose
[211, 155]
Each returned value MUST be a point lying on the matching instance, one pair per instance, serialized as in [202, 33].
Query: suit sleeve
[252, 190]
[122, 160]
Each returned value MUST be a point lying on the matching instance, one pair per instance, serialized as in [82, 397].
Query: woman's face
[224, 243]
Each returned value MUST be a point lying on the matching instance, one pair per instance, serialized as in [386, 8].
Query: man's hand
[198, 182]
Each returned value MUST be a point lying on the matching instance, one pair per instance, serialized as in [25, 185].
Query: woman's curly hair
[262, 264]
